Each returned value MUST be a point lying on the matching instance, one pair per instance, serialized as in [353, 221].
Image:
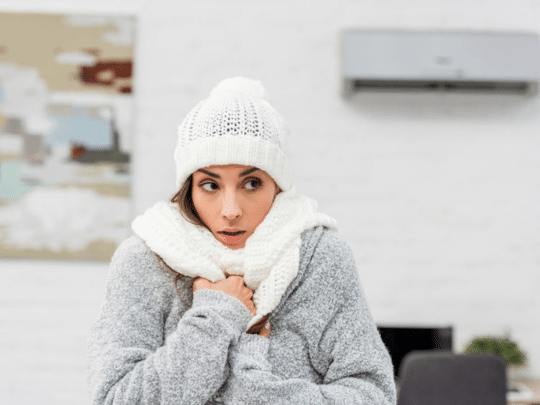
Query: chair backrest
[444, 378]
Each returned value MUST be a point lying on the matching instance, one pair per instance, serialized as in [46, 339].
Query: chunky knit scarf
[268, 262]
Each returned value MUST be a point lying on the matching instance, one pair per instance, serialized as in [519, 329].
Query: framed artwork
[66, 127]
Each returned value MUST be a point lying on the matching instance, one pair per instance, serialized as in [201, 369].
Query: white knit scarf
[268, 262]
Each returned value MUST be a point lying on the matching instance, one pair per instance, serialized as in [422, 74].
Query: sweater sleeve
[130, 359]
[345, 349]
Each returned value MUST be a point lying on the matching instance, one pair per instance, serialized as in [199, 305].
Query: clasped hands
[235, 287]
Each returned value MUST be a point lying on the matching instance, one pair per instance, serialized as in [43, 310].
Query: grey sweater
[154, 345]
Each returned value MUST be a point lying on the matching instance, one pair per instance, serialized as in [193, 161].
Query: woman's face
[233, 198]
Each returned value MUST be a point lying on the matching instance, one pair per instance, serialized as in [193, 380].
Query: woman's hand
[261, 328]
[265, 331]
[232, 285]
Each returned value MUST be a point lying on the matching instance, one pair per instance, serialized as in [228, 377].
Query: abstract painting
[66, 126]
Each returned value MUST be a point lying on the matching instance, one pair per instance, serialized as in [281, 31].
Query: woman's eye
[257, 184]
[209, 189]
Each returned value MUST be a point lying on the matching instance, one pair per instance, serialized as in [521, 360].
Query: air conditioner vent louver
[430, 85]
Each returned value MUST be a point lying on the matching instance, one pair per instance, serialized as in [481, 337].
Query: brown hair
[185, 204]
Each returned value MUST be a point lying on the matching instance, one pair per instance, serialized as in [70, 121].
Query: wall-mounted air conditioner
[439, 61]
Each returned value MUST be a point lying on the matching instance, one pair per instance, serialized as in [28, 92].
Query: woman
[237, 291]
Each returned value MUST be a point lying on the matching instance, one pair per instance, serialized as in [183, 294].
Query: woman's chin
[234, 246]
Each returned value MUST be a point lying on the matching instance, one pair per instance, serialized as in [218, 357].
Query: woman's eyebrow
[217, 176]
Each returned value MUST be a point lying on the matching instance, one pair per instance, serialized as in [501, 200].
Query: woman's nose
[230, 209]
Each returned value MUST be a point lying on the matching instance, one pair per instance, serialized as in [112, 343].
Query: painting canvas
[66, 112]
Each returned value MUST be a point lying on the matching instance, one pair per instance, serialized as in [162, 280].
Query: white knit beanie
[235, 125]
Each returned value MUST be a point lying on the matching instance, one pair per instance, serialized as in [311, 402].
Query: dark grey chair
[444, 378]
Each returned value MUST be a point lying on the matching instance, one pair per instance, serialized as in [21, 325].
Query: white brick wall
[46, 311]
[438, 195]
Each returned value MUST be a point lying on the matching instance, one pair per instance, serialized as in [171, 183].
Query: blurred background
[437, 193]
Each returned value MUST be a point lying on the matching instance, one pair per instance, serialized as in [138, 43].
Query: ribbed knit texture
[154, 346]
[236, 124]
[268, 262]
[236, 106]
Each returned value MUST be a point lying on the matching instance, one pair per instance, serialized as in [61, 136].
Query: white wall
[438, 195]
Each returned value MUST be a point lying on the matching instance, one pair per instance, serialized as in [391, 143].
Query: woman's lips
[232, 237]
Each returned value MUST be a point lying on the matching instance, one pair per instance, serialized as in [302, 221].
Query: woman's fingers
[200, 283]
[232, 285]
[251, 307]
[265, 331]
